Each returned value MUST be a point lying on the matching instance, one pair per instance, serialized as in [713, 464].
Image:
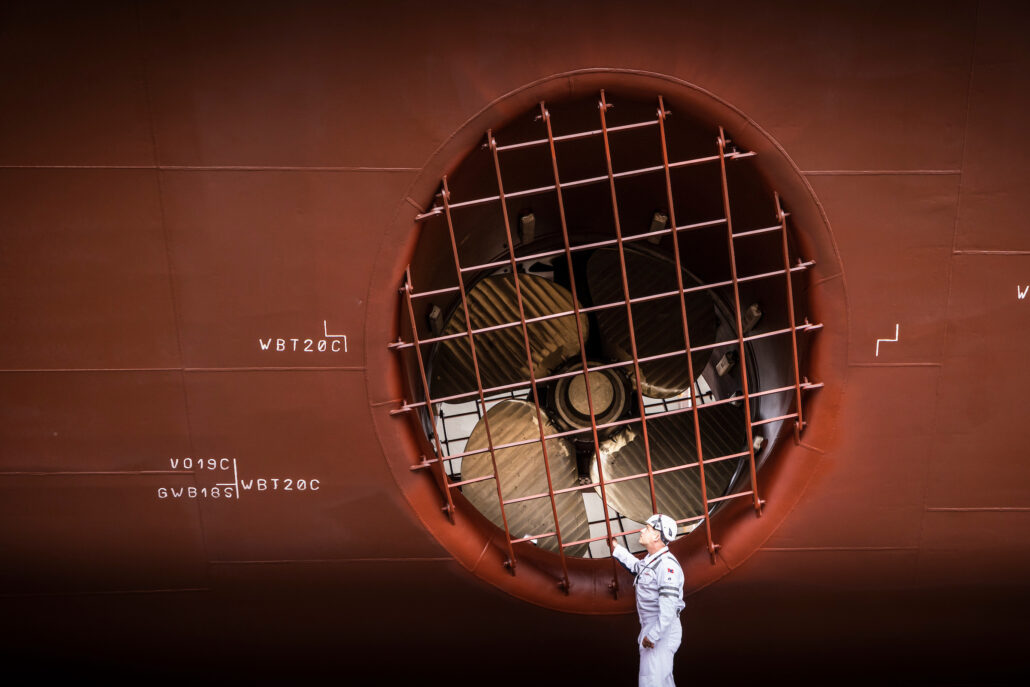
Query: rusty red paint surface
[180, 183]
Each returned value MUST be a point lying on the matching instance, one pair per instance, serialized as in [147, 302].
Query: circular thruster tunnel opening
[602, 319]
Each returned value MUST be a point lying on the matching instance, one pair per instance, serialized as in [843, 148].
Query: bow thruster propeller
[568, 401]
[521, 473]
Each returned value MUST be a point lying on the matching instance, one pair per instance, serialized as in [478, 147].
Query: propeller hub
[602, 393]
[607, 394]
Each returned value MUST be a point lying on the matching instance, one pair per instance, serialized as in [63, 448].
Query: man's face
[648, 535]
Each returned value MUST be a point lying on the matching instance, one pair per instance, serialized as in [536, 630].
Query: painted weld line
[895, 365]
[93, 473]
[839, 548]
[106, 592]
[989, 252]
[94, 369]
[218, 168]
[330, 560]
[391, 402]
[881, 172]
[310, 368]
[826, 279]
[293, 168]
[982, 509]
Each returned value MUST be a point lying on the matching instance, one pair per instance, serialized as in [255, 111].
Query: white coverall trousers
[656, 663]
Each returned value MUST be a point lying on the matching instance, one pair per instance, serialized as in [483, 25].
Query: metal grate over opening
[589, 340]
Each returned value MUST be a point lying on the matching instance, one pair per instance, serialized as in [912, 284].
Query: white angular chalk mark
[897, 328]
[325, 328]
[1022, 293]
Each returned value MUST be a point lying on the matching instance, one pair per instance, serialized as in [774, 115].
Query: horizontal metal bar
[773, 419]
[805, 386]
[437, 209]
[755, 232]
[531, 537]
[577, 135]
[467, 413]
[593, 539]
[541, 495]
[452, 485]
[720, 344]
[435, 292]
[708, 461]
[800, 267]
[731, 496]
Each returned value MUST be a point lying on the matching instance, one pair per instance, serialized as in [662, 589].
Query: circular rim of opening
[473, 540]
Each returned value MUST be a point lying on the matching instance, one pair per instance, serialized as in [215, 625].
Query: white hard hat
[664, 525]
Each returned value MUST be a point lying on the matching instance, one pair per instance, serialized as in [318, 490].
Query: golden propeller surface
[501, 353]
[672, 444]
[521, 473]
[657, 324]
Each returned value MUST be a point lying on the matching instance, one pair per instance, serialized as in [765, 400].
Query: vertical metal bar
[740, 326]
[529, 358]
[799, 423]
[475, 368]
[686, 328]
[438, 466]
[446, 442]
[546, 117]
[603, 107]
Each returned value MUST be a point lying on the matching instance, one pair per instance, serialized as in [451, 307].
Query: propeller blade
[672, 443]
[501, 353]
[657, 324]
[521, 471]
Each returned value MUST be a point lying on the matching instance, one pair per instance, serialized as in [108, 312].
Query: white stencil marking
[897, 328]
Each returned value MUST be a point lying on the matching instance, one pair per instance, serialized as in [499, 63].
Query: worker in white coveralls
[658, 581]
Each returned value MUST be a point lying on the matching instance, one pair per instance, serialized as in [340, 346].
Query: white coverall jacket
[658, 580]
